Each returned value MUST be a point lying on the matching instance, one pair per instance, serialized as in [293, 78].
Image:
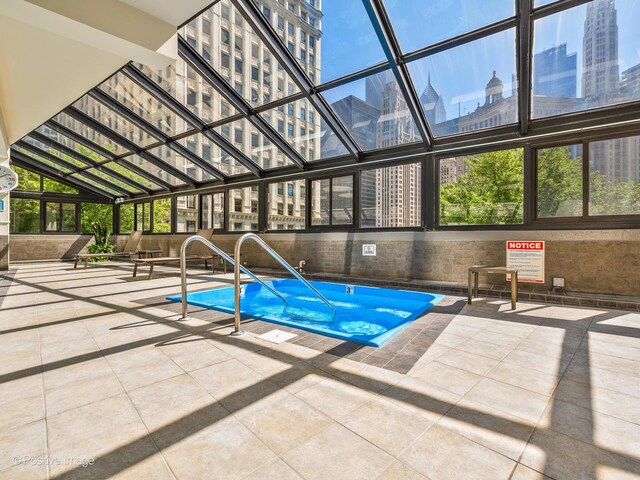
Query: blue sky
[349, 43]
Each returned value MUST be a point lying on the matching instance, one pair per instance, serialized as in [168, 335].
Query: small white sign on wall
[369, 250]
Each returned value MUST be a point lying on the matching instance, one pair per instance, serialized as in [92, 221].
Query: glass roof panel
[152, 169]
[539, 3]
[54, 152]
[328, 43]
[176, 160]
[90, 134]
[69, 143]
[139, 101]
[248, 139]
[41, 159]
[469, 87]
[89, 181]
[111, 119]
[227, 42]
[213, 154]
[185, 85]
[118, 183]
[586, 57]
[374, 111]
[115, 167]
[301, 126]
[418, 24]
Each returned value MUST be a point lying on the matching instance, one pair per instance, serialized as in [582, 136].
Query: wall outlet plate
[558, 282]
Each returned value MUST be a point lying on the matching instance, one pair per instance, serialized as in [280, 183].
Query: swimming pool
[366, 315]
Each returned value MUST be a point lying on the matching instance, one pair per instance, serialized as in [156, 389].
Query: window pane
[25, 215]
[68, 217]
[143, 216]
[341, 30]
[212, 154]
[52, 217]
[187, 211]
[89, 133]
[320, 191]
[179, 162]
[482, 189]
[97, 185]
[246, 137]
[73, 145]
[614, 177]
[41, 159]
[559, 181]
[110, 119]
[100, 213]
[469, 87]
[229, 60]
[205, 211]
[184, 84]
[419, 24]
[27, 180]
[286, 205]
[53, 186]
[115, 167]
[243, 209]
[162, 215]
[51, 151]
[374, 111]
[126, 217]
[218, 210]
[586, 57]
[342, 201]
[154, 170]
[391, 197]
[141, 102]
[104, 175]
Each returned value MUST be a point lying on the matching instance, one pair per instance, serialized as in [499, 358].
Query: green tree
[27, 180]
[162, 215]
[491, 192]
[559, 183]
[126, 218]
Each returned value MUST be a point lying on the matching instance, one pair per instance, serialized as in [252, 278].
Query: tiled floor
[96, 381]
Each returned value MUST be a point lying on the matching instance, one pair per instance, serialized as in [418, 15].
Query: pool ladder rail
[237, 268]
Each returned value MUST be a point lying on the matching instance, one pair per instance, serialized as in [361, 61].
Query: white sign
[350, 289]
[528, 259]
[369, 250]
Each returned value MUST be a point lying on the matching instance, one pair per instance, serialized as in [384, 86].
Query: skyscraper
[555, 73]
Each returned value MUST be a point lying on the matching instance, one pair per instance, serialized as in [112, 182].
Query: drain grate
[277, 336]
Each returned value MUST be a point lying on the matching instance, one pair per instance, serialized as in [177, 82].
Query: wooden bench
[476, 270]
[152, 261]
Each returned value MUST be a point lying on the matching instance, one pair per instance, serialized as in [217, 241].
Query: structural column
[4, 201]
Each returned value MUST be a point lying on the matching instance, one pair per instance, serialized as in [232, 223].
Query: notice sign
[528, 259]
[369, 250]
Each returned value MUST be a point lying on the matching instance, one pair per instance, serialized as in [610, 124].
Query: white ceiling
[53, 51]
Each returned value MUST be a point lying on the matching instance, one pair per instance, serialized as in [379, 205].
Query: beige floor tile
[470, 362]
[525, 473]
[625, 407]
[523, 377]
[422, 398]
[334, 397]
[540, 363]
[226, 449]
[337, 453]
[596, 428]
[193, 353]
[69, 352]
[176, 402]
[629, 352]
[142, 366]
[498, 338]
[499, 431]
[236, 386]
[268, 362]
[25, 471]
[388, 425]
[273, 470]
[509, 399]
[485, 349]
[77, 394]
[561, 456]
[21, 411]
[623, 382]
[22, 445]
[284, 424]
[606, 362]
[298, 377]
[21, 388]
[400, 471]
[442, 454]
[447, 378]
[449, 340]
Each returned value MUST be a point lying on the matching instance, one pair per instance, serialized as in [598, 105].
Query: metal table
[476, 270]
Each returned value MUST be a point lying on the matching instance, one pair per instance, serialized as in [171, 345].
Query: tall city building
[555, 73]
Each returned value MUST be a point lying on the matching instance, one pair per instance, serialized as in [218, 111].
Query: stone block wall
[590, 261]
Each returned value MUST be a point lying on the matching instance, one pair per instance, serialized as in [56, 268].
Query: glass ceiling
[274, 84]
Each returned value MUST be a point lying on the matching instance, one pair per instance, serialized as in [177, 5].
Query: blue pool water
[367, 315]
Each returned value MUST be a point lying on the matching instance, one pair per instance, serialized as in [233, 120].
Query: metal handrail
[227, 258]
[280, 260]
